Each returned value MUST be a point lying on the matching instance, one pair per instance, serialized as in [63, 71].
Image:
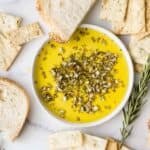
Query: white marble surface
[40, 124]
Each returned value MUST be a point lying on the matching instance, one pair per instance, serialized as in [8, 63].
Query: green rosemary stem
[135, 103]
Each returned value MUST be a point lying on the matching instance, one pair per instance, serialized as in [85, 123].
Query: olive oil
[53, 54]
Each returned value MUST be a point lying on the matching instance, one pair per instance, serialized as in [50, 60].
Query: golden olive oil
[50, 56]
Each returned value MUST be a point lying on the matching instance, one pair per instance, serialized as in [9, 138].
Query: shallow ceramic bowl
[129, 88]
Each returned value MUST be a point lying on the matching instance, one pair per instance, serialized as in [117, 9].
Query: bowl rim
[124, 100]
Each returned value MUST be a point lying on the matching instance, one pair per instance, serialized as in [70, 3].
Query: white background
[39, 124]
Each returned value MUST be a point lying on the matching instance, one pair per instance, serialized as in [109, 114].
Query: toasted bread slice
[63, 17]
[9, 22]
[24, 34]
[14, 108]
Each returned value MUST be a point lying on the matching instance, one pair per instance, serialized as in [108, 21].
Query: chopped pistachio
[95, 108]
[90, 75]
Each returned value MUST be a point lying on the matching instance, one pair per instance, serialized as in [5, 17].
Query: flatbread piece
[135, 19]
[113, 10]
[92, 143]
[147, 31]
[66, 139]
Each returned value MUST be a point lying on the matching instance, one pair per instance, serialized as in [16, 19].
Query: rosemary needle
[135, 103]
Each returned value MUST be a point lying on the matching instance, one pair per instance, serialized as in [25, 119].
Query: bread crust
[42, 13]
[12, 82]
[138, 67]
[56, 37]
[60, 32]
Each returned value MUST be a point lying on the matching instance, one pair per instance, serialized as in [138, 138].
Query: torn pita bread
[140, 49]
[92, 143]
[66, 139]
[63, 17]
[8, 53]
[9, 22]
[24, 34]
[114, 10]
[135, 19]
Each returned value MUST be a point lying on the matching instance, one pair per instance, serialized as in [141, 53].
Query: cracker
[8, 53]
[24, 34]
[9, 22]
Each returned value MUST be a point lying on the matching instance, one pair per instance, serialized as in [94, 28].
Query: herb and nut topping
[82, 77]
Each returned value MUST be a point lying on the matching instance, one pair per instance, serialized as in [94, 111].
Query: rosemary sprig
[135, 103]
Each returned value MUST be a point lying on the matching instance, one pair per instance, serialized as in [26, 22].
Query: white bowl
[128, 92]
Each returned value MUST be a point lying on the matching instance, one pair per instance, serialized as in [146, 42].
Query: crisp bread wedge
[140, 49]
[24, 34]
[14, 108]
[140, 43]
[8, 53]
[92, 143]
[135, 19]
[65, 140]
[147, 32]
[114, 10]
[63, 17]
[114, 145]
[9, 22]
